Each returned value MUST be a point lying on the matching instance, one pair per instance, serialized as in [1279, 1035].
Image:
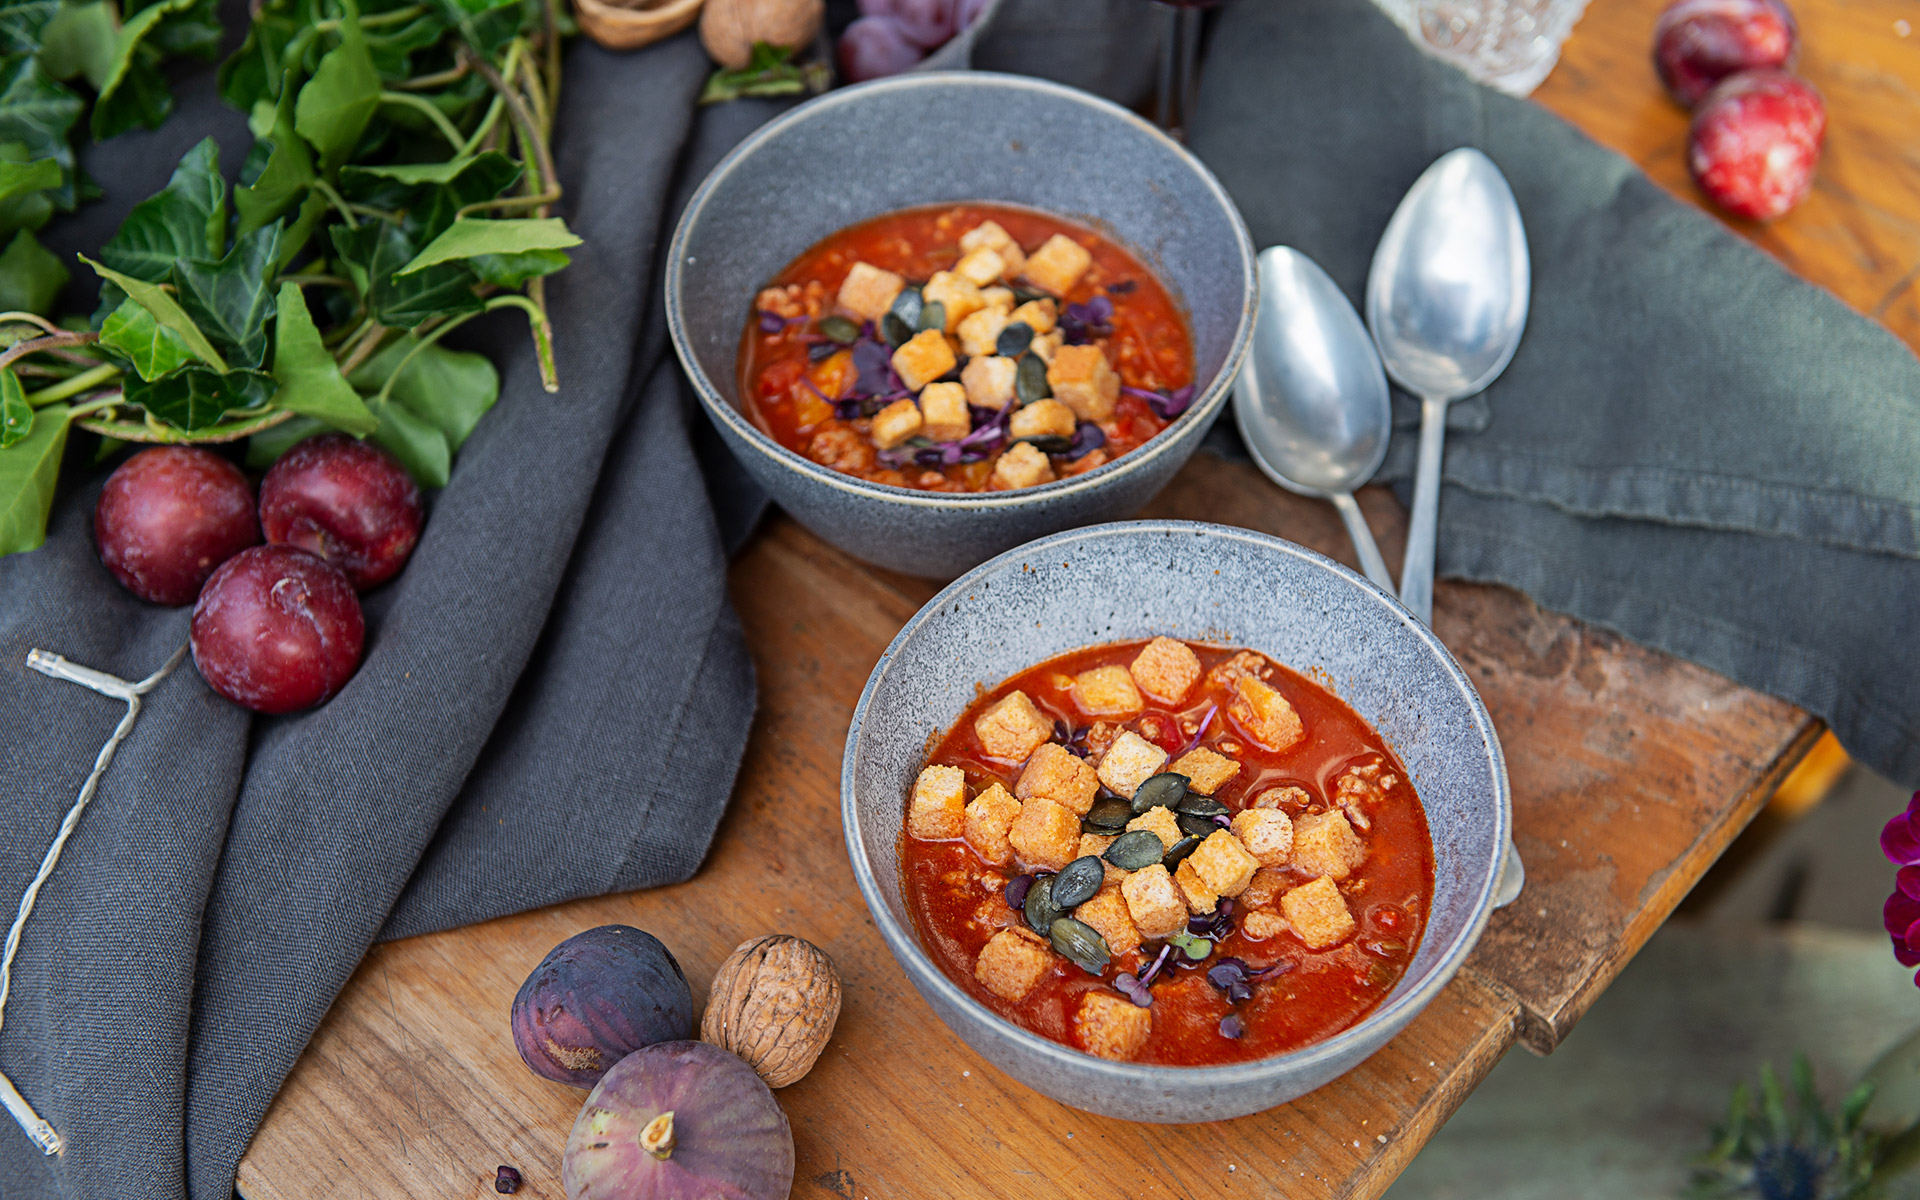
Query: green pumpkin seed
[1041, 911]
[1199, 827]
[1194, 804]
[1022, 295]
[907, 306]
[1015, 339]
[1048, 443]
[1081, 943]
[1030, 381]
[1165, 789]
[932, 316]
[1078, 881]
[1136, 850]
[1109, 815]
[897, 331]
[841, 330]
[1180, 849]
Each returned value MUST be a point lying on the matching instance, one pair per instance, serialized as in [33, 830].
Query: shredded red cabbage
[1166, 405]
[1081, 323]
[1086, 437]
[1202, 731]
[975, 447]
[773, 322]
[1121, 288]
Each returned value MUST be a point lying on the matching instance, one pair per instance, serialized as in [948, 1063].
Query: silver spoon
[1311, 401]
[1446, 300]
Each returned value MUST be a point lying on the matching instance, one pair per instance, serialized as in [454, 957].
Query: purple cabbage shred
[1081, 323]
[1202, 730]
[1165, 404]
[1134, 989]
[1087, 437]
[1232, 1026]
[1153, 970]
[1017, 891]
[1121, 288]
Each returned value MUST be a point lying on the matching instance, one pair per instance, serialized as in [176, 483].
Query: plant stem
[535, 92]
[542, 329]
[364, 348]
[553, 56]
[536, 145]
[50, 342]
[108, 400]
[339, 202]
[485, 127]
[425, 340]
[339, 281]
[431, 110]
[399, 16]
[426, 83]
[27, 318]
[533, 201]
[74, 386]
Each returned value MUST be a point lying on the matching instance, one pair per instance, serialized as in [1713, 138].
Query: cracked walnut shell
[774, 1003]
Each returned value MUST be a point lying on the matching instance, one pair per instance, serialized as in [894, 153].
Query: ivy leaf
[22, 24]
[513, 270]
[430, 194]
[432, 405]
[16, 415]
[17, 179]
[231, 299]
[135, 92]
[421, 448]
[30, 277]
[471, 236]
[37, 113]
[195, 30]
[265, 448]
[487, 25]
[376, 250]
[29, 470]
[165, 310]
[335, 105]
[79, 41]
[310, 381]
[286, 176]
[152, 348]
[258, 69]
[194, 399]
[392, 47]
[186, 219]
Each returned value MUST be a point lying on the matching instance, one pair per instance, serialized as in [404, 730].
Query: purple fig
[596, 998]
[679, 1121]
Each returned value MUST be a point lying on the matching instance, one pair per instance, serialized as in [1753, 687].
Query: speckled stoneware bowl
[1206, 583]
[934, 138]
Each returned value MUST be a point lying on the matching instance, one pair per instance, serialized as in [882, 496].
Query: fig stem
[657, 1138]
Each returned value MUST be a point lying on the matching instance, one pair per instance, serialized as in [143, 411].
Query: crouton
[1318, 914]
[1012, 727]
[1261, 925]
[1266, 833]
[1107, 692]
[1166, 670]
[923, 358]
[943, 412]
[1268, 883]
[1083, 380]
[1012, 962]
[1047, 345]
[980, 267]
[959, 296]
[939, 807]
[895, 424]
[1199, 897]
[1129, 762]
[1154, 902]
[1162, 821]
[1223, 863]
[989, 235]
[1021, 466]
[1265, 714]
[1107, 914]
[1110, 1026]
[989, 381]
[1324, 844]
[1045, 834]
[988, 818]
[999, 297]
[1058, 264]
[1061, 776]
[1293, 799]
[868, 292]
[1206, 771]
[980, 333]
[1042, 418]
[1038, 315]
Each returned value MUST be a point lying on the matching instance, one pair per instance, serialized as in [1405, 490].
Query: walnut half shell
[774, 1003]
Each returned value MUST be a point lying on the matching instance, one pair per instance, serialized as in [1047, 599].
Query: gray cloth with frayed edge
[553, 703]
[1692, 446]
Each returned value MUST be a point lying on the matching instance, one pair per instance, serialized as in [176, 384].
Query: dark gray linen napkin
[553, 703]
[1692, 446]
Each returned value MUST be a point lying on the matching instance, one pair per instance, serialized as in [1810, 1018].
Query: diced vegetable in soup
[965, 349]
[1168, 852]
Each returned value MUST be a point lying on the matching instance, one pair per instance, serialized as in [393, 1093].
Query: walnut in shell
[774, 1003]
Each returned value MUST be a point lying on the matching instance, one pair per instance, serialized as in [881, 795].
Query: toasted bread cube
[988, 818]
[1265, 714]
[1153, 901]
[1038, 315]
[1199, 897]
[895, 424]
[1012, 962]
[1107, 914]
[1130, 762]
[1058, 264]
[1162, 821]
[1266, 833]
[868, 292]
[1045, 834]
[1261, 925]
[1096, 844]
[1268, 883]
[923, 358]
[1324, 844]
[1012, 727]
[1224, 863]
[1021, 466]
[1166, 669]
[1206, 771]
[1111, 1026]
[1083, 380]
[989, 381]
[1047, 345]
[980, 332]
[980, 267]
[1042, 418]
[990, 235]
[943, 412]
[1106, 692]
[1318, 914]
[957, 294]
[999, 297]
[1061, 776]
[939, 807]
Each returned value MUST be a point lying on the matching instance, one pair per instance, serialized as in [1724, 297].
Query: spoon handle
[1416, 573]
[1357, 529]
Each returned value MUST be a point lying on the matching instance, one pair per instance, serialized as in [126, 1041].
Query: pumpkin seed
[1040, 909]
[1078, 881]
[932, 316]
[1194, 804]
[1180, 849]
[1199, 827]
[839, 329]
[1165, 789]
[898, 332]
[1048, 443]
[1081, 943]
[1022, 295]
[1030, 381]
[1109, 814]
[907, 306]
[1015, 339]
[1136, 850]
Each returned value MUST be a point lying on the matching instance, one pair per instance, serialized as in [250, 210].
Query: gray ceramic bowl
[935, 138]
[1206, 583]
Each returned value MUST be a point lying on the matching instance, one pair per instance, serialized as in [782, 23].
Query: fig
[679, 1121]
[596, 998]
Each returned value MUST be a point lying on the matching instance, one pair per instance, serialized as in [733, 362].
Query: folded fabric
[1692, 446]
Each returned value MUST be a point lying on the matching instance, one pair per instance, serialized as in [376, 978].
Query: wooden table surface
[1631, 772]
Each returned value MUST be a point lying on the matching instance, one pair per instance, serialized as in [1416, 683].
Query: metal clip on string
[58, 667]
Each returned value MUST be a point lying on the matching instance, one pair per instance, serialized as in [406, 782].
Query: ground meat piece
[788, 301]
[841, 447]
[1228, 673]
[1100, 738]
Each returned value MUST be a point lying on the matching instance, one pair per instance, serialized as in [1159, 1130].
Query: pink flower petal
[1899, 842]
[1908, 881]
[1913, 805]
[1913, 937]
[1907, 957]
[1900, 912]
